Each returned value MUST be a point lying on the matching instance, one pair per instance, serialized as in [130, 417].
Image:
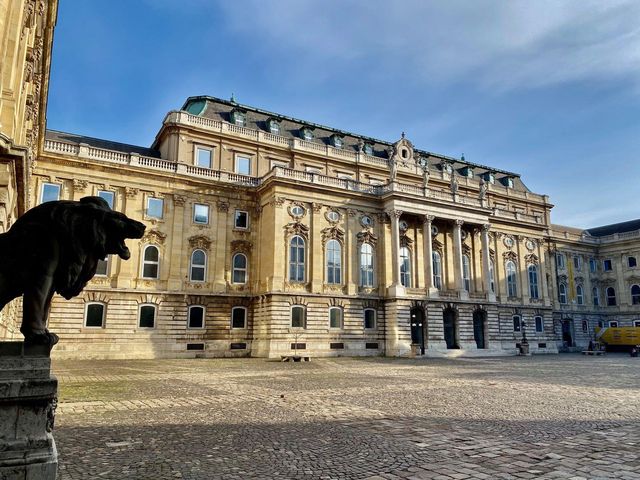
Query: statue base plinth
[28, 398]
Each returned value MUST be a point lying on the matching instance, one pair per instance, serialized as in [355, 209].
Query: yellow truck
[618, 338]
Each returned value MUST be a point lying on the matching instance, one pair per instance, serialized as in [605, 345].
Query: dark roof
[630, 226]
[255, 118]
[99, 143]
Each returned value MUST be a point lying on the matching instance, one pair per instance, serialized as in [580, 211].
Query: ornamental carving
[179, 200]
[296, 228]
[222, 206]
[532, 259]
[130, 192]
[367, 237]
[197, 285]
[278, 201]
[241, 246]
[295, 286]
[316, 207]
[79, 185]
[466, 249]
[200, 241]
[436, 245]
[153, 236]
[510, 256]
[405, 241]
[332, 233]
[326, 288]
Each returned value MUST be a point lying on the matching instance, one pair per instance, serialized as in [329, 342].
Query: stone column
[178, 255]
[457, 259]
[428, 256]
[219, 249]
[396, 289]
[486, 259]
[28, 398]
[316, 253]
[544, 292]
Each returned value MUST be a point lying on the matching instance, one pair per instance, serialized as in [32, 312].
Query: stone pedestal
[28, 396]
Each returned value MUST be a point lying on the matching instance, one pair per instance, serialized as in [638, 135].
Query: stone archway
[480, 328]
[450, 324]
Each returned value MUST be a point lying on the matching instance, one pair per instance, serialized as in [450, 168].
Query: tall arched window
[198, 266]
[366, 265]
[150, 262]
[579, 295]
[437, 270]
[562, 293]
[334, 262]
[239, 263]
[405, 267]
[611, 296]
[533, 281]
[512, 284]
[596, 296]
[466, 272]
[296, 259]
[635, 295]
[491, 276]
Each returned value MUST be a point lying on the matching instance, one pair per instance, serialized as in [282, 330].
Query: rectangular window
[50, 192]
[607, 266]
[539, 324]
[203, 157]
[107, 196]
[593, 265]
[147, 316]
[335, 317]
[102, 269]
[243, 165]
[516, 323]
[94, 315]
[241, 219]
[201, 213]
[577, 263]
[560, 260]
[369, 318]
[636, 323]
[298, 317]
[195, 317]
[238, 317]
[613, 324]
[155, 207]
[631, 262]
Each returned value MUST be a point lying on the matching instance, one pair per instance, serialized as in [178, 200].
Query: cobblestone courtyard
[563, 416]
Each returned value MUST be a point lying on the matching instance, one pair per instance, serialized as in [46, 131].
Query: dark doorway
[449, 319]
[567, 333]
[417, 327]
[479, 326]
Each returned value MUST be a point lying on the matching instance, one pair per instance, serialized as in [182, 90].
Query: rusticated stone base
[28, 397]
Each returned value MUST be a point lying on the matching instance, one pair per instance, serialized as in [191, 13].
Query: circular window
[434, 230]
[508, 242]
[333, 216]
[404, 225]
[366, 221]
[530, 244]
[297, 211]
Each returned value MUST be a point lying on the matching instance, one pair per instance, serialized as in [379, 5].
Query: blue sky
[548, 89]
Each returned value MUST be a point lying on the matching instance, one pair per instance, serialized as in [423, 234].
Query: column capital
[428, 218]
[486, 227]
[394, 213]
[458, 223]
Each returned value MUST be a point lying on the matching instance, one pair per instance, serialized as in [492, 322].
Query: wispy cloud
[495, 43]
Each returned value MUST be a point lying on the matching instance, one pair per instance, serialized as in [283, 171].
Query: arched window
[239, 274]
[562, 293]
[585, 326]
[579, 295]
[466, 272]
[195, 316]
[147, 316]
[635, 295]
[335, 317]
[298, 317]
[491, 276]
[150, 262]
[296, 259]
[533, 281]
[369, 318]
[437, 270]
[596, 296]
[512, 284]
[611, 296]
[517, 323]
[198, 266]
[94, 314]
[334, 262]
[405, 267]
[239, 317]
[366, 265]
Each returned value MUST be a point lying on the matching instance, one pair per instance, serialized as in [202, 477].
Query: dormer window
[368, 149]
[274, 126]
[446, 167]
[306, 133]
[336, 141]
[507, 182]
[467, 172]
[238, 118]
[489, 177]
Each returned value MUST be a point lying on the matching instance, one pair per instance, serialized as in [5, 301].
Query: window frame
[612, 301]
[235, 269]
[535, 321]
[235, 219]
[238, 157]
[203, 266]
[151, 199]
[562, 293]
[107, 262]
[635, 297]
[196, 159]
[466, 272]
[405, 267]
[511, 279]
[593, 265]
[579, 294]
[605, 262]
[155, 315]
[436, 265]
[333, 268]
[635, 261]
[532, 275]
[595, 296]
[560, 260]
[204, 317]
[304, 316]
[367, 271]
[58, 186]
[112, 204]
[341, 319]
[245, 319]
[613, 324]
[577, 263]
[298, 263]
[517, 323]
[86, 315]
[150, 262]
[195, 213]
[375, 318]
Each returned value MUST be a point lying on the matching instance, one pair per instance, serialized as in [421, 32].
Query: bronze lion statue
[55, 248]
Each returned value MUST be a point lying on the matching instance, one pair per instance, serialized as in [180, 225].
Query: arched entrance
[418, 325]
[567, 332]
[480, 328]
[450, 323]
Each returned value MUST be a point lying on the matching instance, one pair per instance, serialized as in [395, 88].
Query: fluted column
[428, 255]
[396, 286]
[486, 261]
[457, 260]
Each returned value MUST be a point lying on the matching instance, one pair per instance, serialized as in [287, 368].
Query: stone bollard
[28, 397]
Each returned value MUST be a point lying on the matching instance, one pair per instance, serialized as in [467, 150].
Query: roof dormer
[402, 150]
[238, 117]
[336, 140]
[306, 133]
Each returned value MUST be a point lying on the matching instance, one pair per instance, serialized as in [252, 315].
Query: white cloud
[499, 44]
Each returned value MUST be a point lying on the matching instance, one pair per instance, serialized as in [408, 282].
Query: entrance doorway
[479, 328]
[567, 333]
[450, 321]
[418, 325]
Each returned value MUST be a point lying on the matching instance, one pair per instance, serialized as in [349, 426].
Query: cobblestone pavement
[563, 416]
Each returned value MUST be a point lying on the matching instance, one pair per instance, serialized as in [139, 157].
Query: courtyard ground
[561, 416]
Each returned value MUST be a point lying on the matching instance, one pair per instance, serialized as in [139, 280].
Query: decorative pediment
[562, 278]
[466, 249]
[296, 228]
[332, 233]
[241, 246]
[510, 256]
[532, 259]
[436, 245]
[200, 241]
[579, 279]
[405, 241]
[367, 237]
[154, 236]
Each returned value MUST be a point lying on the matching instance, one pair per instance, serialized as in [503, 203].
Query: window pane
[155, 207]
[297, 317]
[238, 316]
[204, 157]
[335, 318]
[151, 254]
[107, 196]
[95, 315]
[242, 219]
[50, 192]
[147, 316]
[539, 324]
[516, 324]
[150, 270]
[197, 274]
[369, 318]
[196, 317]
[198, 258]
[103, 267]
[201, 213]
[243, 165]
